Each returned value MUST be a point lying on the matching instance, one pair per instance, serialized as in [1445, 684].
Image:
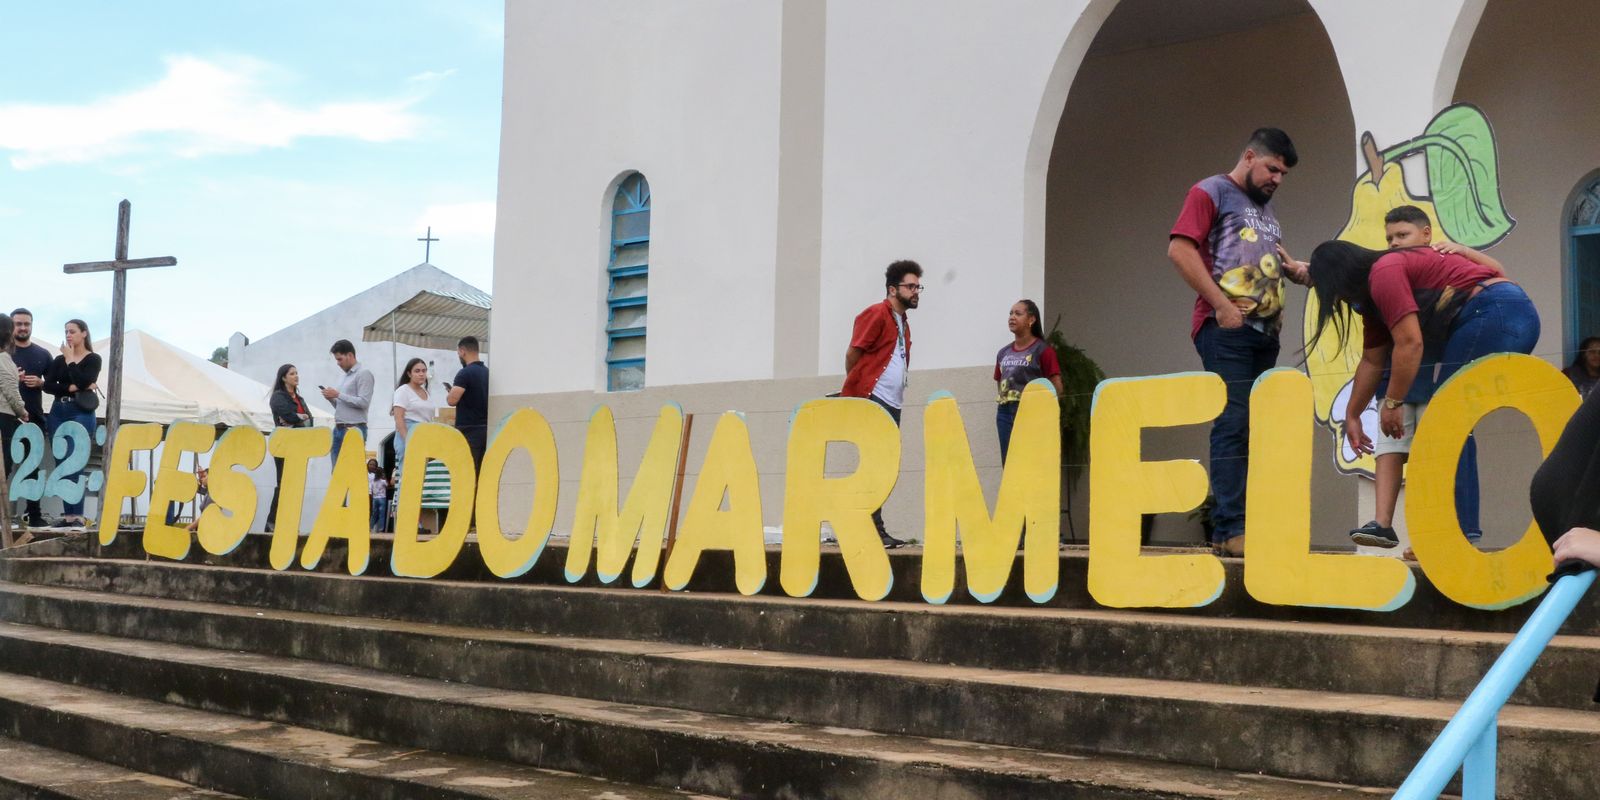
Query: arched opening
[1583, 263]
[1167, 95]
[627, 285]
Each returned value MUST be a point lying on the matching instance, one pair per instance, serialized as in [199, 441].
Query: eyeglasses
[915, 287]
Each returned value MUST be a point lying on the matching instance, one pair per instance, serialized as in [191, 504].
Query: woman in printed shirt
[1026, 358]
[1409, 299]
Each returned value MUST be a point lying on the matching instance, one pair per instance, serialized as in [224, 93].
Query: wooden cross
[119, 294]
[427, 248]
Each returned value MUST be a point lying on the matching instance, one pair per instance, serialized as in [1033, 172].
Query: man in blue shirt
[32, 361]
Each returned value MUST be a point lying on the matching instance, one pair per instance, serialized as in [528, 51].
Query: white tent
[162, 383]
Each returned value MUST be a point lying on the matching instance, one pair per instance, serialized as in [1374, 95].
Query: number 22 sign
[68, 481]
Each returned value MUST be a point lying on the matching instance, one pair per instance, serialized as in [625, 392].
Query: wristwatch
[1390, 402]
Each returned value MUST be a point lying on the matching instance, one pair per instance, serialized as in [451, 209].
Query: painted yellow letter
[525, 429]
[417, 559]
[811, 497]
[122, 480]
[643, 516]
[729, 470]
[296, 446]
[1279, 567]
[1461, 571]
[1124, 488]
[225, 523]
[174, 486]
[346, 513]
[1030, 494]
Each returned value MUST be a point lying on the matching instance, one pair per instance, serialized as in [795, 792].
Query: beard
[1256, 193]
[912, 302]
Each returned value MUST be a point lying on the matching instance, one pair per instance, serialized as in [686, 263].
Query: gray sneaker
[1374, 535]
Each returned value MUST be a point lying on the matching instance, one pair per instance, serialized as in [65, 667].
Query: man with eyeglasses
[878, 360]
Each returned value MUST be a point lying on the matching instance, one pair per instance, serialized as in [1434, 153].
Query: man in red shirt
[878, 360]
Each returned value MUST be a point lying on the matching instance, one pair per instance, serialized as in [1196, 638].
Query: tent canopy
[435, 320]
[162, 383]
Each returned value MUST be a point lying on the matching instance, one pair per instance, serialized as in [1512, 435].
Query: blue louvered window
[628, 274]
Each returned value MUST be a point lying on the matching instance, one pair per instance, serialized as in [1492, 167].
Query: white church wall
[686, 93]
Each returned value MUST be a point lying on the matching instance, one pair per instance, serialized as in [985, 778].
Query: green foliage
[1079, 377]
[219, 356]
[1463, 175]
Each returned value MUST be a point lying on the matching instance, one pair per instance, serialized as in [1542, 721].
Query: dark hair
[1577, 359]
[405, 374]
[898, 271]
[6, 345]
[1339, 272]
[279, 386]
[88, 341]
[468, 343]
[343, 347]
[1411, 214]
[1033, 309]
[1273, 142]
[22, 311]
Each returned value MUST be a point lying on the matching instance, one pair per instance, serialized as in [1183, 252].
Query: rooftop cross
[427, 247]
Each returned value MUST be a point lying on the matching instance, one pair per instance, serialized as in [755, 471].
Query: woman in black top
[1565, 493]
[72, 379]
[288, 411]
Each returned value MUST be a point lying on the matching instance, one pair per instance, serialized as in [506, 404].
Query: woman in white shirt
[412, 405]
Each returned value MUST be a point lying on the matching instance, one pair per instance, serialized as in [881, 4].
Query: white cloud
[458, 219]
[431, 76]
[198, 108]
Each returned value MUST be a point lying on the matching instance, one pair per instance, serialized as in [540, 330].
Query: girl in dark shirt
[76, 371]
[288, 411]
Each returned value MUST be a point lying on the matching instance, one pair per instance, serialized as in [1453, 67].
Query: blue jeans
[1501, 319]
[379, 505]
[1238, 356]
[1005, 416]
[338, 438]
[62, 412]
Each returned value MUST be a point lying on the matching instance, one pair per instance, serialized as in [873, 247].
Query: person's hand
[72, 387]
[194, 526]
[1448, 248]
[23, 418]
[1356, 436]
[329, 394]
[1229, 316]
[30, 381]
[1298, 271]
[1392, 421]
[1578, 544]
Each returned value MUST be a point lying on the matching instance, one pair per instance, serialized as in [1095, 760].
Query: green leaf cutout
[1463, 175]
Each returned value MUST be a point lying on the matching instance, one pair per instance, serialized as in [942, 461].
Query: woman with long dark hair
[412, 406]
[13, 413]
[72, 379]
[1584, 371]
[1411, 299]
[1027, 357]
[288, 411]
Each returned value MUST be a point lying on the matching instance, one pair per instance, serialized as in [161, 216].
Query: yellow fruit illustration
[1330, 366]
[1249, 234]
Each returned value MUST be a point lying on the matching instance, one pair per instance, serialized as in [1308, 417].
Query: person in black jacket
[72, 379]
[288, 411]
[1565, 493]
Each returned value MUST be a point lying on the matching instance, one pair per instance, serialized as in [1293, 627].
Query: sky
[288, 154]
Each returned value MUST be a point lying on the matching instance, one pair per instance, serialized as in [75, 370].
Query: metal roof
[435, 320]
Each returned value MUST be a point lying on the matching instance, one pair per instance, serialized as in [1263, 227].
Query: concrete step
[260, 759]
[721, 755]
[1363, 739]
[1427, 608]
[31, 772]
[437, 615]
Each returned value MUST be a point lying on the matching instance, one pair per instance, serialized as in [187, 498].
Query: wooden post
[677, 498]
[118, 267]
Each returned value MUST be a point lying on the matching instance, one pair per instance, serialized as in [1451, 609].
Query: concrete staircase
[122, 677]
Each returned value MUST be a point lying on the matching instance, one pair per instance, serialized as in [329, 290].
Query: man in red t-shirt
[1227, 246]
[878, 361]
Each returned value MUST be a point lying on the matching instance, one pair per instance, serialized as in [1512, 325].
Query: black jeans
[877, 516]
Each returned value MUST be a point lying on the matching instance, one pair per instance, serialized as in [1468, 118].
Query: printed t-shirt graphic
[1238, 243]
[1014, 368]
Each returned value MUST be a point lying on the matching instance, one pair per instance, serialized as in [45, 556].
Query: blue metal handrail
[1468, 742]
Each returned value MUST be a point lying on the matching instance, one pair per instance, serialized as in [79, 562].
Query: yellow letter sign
[1461, 571]
[1125, 488]
[122, 480]
[528, 430]
[225, 523]
[1279, 567]
[846, 503]
[345, 513]
[174, 486]
[411, 557]
[1030, 496]
[643, 516]
[729, 471]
